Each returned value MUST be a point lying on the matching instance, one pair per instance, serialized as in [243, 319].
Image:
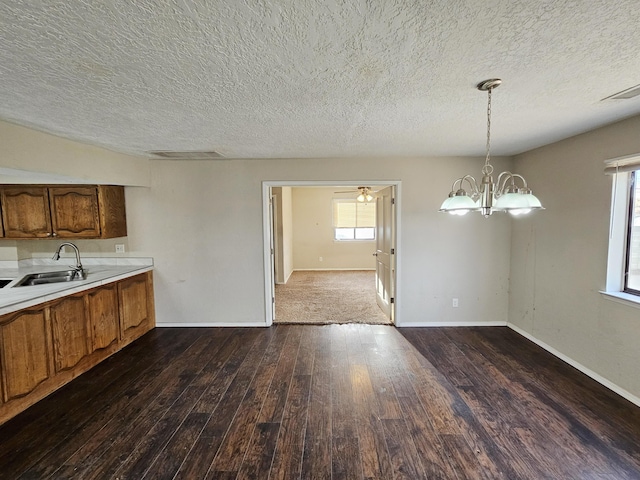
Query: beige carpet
[329, 297]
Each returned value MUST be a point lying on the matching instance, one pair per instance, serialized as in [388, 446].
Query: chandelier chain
[488, 168]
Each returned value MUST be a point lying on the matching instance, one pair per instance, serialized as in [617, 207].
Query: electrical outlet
[119, 247]
[320, 259]
[455, 303]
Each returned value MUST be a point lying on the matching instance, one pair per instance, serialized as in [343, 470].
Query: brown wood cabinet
[71, 211]
[70, 326]
[103, 315]
[74, 212]
[25, 212]
[26, 358]
[44, 347]
[135, 297]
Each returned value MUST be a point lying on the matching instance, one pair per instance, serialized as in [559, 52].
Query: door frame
[267, 230]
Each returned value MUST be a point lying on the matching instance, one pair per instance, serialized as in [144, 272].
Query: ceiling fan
[364, 193]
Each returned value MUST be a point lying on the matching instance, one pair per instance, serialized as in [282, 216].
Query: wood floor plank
[345, 459]
[222, 401]
[238, 436]
[405, 461]
[169, 460]
[316, 461]
[374, 455]
[279, 390]
[428, 444]
[327, 402]
[287, 463]
[258, 460]
[345, 450]
[147, 448]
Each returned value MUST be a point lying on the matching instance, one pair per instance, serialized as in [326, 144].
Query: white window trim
[614, 289]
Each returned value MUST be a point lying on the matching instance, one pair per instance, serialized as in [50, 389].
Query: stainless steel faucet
[80, 273]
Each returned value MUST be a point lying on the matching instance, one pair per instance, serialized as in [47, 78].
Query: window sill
[354, 241]
[622, 297]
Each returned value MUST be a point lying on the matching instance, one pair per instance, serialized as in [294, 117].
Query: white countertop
[100, 271]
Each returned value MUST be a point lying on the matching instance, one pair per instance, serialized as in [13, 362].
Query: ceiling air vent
[174, 155]
[625, 94]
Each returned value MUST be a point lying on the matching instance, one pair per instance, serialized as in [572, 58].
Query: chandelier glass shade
[510, 193]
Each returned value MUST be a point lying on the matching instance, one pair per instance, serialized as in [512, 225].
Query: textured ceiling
[302, 78]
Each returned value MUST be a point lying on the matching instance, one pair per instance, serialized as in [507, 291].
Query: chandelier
[509, 194]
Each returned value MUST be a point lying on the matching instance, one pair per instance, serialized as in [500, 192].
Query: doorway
[381, 271]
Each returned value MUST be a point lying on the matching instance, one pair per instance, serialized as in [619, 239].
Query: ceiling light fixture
[489, 197]
[365, 195]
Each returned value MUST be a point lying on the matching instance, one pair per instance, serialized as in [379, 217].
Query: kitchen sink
[46, 278]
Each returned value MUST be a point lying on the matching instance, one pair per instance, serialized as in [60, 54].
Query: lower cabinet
[136, 311]
[46, 346]
[26, 357]
[70, 326]
[103, 314]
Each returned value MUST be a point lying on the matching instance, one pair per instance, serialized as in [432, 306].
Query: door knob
[375, 254]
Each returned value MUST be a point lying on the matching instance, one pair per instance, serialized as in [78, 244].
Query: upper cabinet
[76, 211]
[25, 212]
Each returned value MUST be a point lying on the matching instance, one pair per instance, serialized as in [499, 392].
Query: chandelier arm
[501, 187]
[472, 183]
[470, 180]
[524, 182]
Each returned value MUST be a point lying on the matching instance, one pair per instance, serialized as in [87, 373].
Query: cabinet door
[70, 326]
[113, 216]
[25, 212]
[25, 340]
[104, 319]
[74, 212]
[136, 306]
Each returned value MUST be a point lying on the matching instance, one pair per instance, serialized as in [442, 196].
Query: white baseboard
[451, 324]
[590, 373]
[209, 324]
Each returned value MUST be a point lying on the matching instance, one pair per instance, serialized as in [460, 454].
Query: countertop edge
[44, 297]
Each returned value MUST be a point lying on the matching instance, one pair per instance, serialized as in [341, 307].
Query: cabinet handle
[55, 234]
[48, 234]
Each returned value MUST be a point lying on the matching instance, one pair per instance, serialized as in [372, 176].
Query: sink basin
[46, 278]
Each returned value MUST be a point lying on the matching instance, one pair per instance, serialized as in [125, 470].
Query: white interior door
[272, 247]
[385, 250]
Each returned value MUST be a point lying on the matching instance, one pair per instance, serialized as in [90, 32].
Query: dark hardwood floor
[327, 402]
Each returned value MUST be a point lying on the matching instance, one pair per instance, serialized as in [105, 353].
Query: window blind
[622, 164]
[353, 214]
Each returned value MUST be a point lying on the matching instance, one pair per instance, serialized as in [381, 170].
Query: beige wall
[44, 248]
[29, 156]
[202, 223]
[313, 234]
[559, 256]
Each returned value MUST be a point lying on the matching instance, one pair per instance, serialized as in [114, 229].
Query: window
[623, 264]
[353, 220]
[632, 254]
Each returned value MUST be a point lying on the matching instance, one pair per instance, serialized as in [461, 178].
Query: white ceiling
[303, 78]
